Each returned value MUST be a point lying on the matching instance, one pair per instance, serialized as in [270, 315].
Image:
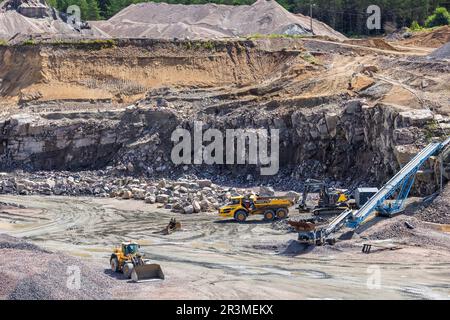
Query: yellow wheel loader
[128, 260]
[241, 207]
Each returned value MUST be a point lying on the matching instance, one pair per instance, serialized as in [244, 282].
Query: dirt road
[211, 258]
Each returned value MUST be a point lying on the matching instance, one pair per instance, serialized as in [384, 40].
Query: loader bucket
[146, 272]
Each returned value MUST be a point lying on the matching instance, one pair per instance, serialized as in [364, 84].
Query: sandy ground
[213, 258]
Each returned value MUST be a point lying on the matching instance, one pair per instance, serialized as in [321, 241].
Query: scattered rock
[162, 198]
[196, 206]
[188, 209]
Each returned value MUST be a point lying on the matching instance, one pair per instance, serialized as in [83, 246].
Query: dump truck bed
[273, 201]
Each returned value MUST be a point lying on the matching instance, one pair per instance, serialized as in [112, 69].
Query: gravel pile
[438, 211]
[421, 235]
[168, 21]
[392, 228]
[36, 18]
[33, 273]
[442, 53]
[19, 245]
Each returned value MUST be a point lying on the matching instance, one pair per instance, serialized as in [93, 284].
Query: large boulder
[162, 198]
[188, 209]
[196, 206]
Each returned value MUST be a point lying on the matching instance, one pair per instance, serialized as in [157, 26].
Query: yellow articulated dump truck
[241, 207]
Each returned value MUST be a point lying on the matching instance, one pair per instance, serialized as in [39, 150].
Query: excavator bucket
[146, 272]
[302, 225]
[171, 228]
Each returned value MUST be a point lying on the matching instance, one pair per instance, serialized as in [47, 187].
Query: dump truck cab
[235, 208]
[240, 207]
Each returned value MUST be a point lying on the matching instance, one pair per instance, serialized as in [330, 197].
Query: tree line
[346, 16]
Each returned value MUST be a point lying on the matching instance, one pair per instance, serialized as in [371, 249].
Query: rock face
[58, 141]
[373, 141]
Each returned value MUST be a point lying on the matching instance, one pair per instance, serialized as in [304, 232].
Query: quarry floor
[212, 258]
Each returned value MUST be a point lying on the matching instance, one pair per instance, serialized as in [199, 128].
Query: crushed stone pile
[421, 235]
[438, 211]
[32, 273]
[443, 53]
[168, 21]
[32, 18]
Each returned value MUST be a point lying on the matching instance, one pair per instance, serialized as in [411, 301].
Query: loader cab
[130, 248]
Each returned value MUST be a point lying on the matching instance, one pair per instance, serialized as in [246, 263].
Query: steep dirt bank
[123, 70]
[429, 38]
[79, 74]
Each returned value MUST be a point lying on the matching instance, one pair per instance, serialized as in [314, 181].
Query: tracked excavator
[331, 200]
[128, 260]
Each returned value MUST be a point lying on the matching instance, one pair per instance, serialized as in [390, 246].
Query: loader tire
[269, 215]
[282, 213]
[240, 216]
[114, 262]
[127, 270]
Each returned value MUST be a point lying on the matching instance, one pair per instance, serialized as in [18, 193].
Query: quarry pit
[85, 163]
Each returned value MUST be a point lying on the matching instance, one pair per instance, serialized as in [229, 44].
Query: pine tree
[93, 12]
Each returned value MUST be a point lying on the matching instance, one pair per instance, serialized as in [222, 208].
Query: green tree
[415, 26]
[93, 12]
[440, 17]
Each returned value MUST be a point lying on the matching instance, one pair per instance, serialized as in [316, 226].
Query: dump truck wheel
[282, 213]
[240, 216]
[127, 269]
[269, 215]
[114, 262]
